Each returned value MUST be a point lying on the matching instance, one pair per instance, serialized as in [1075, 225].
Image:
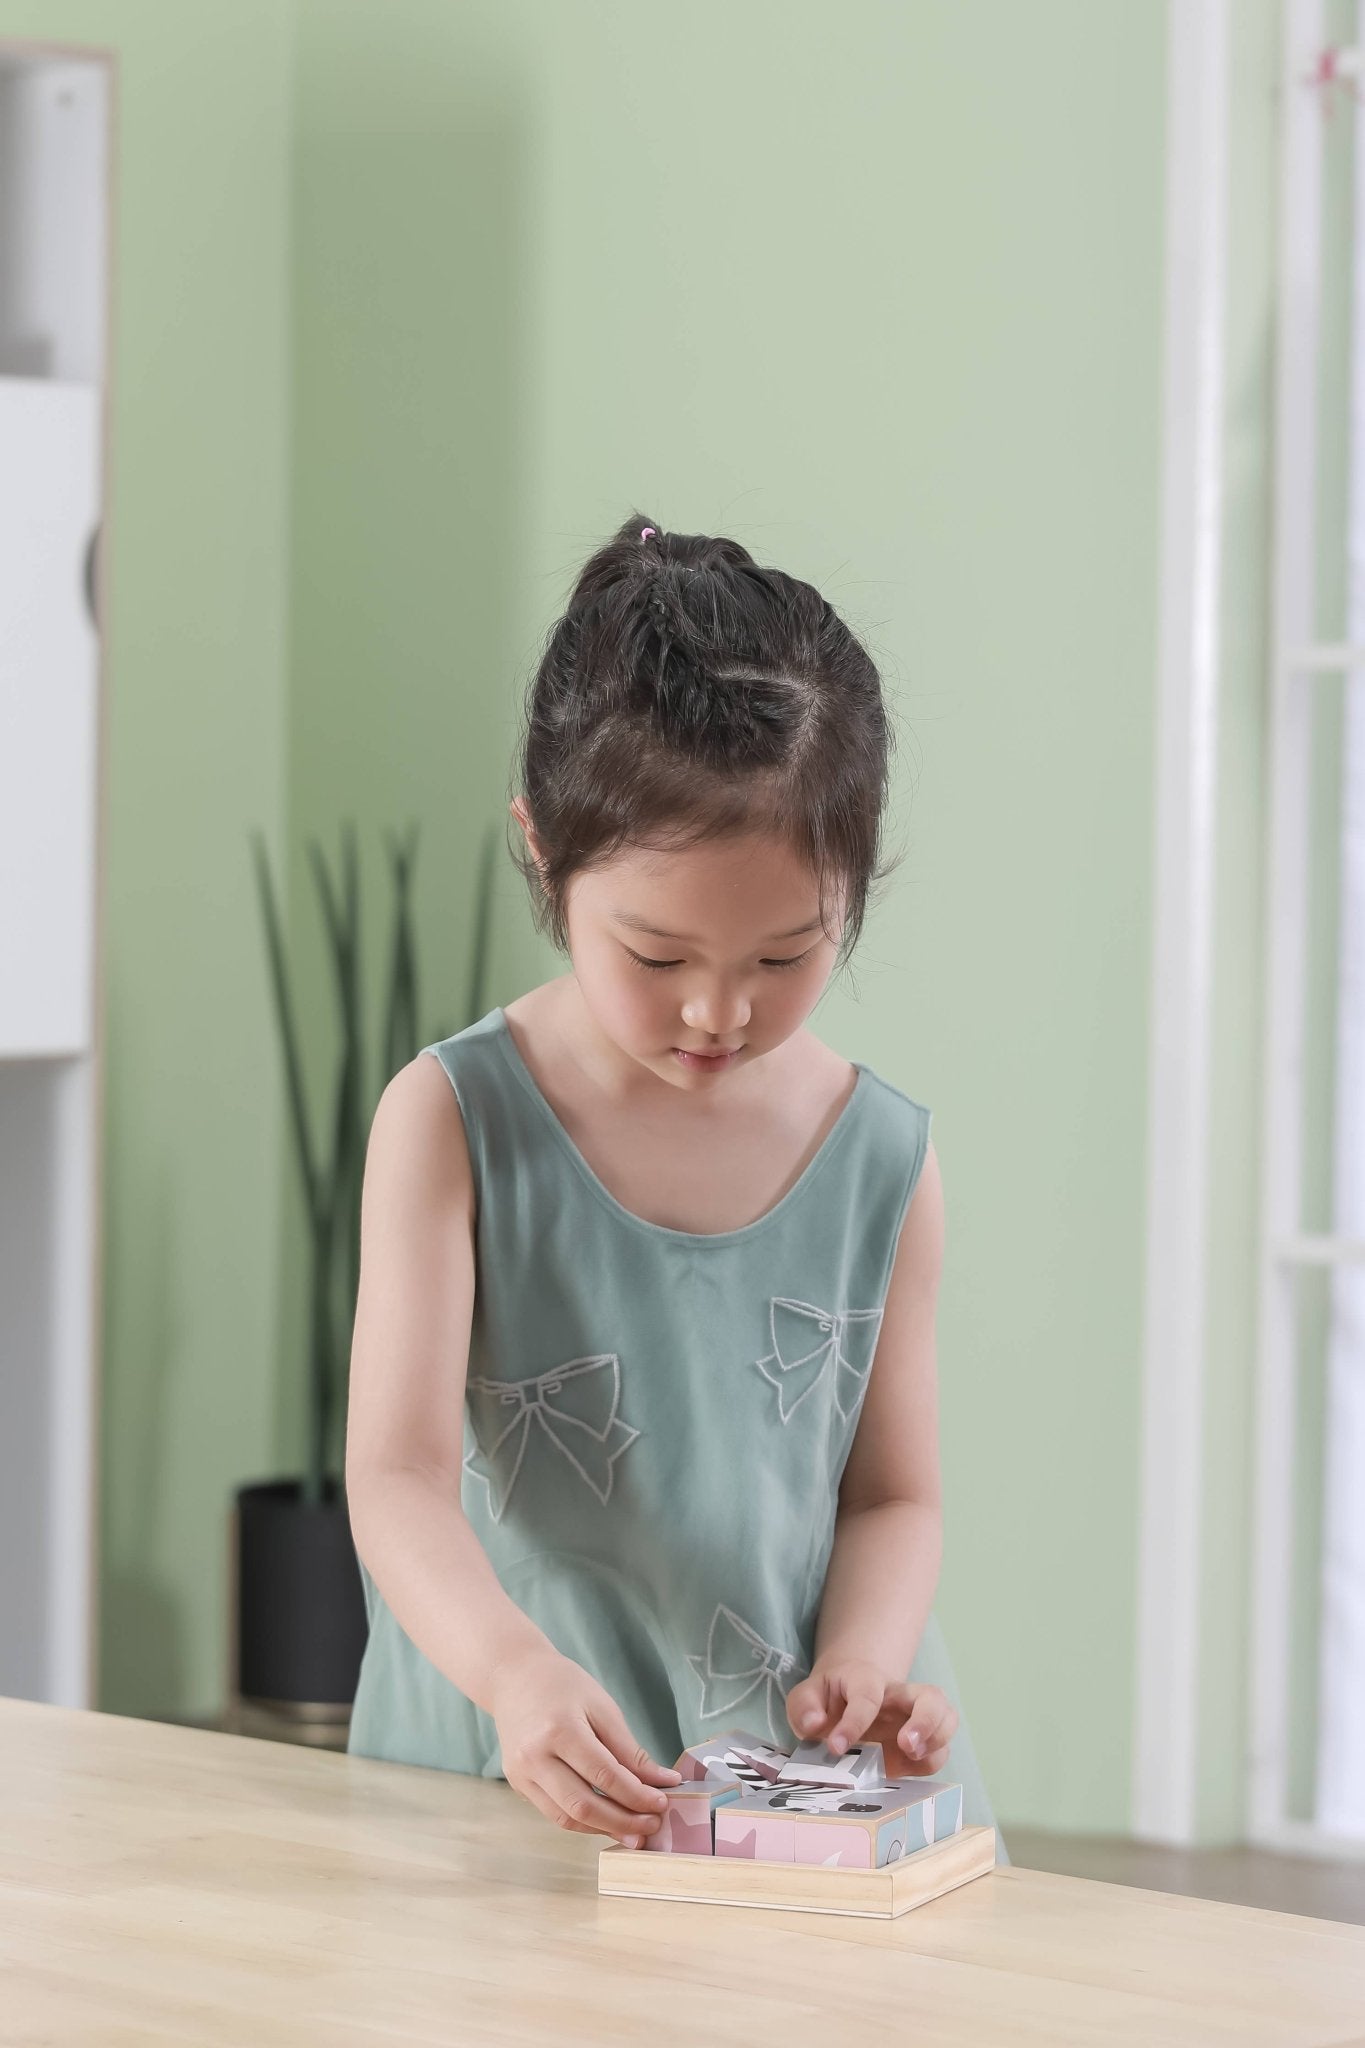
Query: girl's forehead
[765, 859]
[757, 884]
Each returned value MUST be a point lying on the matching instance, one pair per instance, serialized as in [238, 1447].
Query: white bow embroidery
[574, 1405]
[738, 1663]
[808, 1341]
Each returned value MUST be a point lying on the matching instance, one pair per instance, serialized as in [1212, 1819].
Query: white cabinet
[54, 152]
[49, 678]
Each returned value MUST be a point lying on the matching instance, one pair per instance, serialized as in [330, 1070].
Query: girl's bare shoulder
[417, 1136]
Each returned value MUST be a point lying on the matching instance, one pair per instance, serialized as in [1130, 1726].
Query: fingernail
[630, 1841]
[812, 1719]
[915, 1745]
[838, 1743]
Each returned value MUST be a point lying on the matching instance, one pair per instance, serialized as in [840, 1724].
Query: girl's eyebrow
[639, 924]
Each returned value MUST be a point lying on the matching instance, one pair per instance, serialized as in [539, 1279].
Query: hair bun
[687, 687]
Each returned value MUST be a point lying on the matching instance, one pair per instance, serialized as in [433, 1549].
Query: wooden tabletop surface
[163, 1884]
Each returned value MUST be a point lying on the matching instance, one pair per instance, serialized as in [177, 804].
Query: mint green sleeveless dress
[656, 1423]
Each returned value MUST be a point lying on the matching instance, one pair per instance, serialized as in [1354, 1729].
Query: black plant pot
[300, 1621]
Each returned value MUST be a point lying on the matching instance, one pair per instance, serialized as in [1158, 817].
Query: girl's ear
[521, 813]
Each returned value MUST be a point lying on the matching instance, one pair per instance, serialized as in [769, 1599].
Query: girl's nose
[716, 1012]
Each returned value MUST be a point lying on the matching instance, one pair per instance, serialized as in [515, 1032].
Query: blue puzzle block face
[918, 1821]
[891, 1838]
[947, 1812]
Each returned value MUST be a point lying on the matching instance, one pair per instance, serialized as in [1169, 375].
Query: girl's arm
[409, 1357]
[888, 1532]
[565, 1743]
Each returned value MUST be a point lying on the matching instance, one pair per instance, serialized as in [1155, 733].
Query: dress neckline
[512, 1053]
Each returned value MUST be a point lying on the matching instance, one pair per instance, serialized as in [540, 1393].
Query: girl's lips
[705, 1062]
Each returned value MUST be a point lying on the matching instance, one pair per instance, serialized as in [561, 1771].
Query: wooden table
[167, 1885]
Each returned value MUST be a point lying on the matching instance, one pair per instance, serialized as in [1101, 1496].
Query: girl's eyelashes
[657, 966]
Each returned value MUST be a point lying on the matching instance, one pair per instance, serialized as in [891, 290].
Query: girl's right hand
[566, 1748]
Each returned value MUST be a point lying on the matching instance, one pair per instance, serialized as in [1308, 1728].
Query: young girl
[643, 1416]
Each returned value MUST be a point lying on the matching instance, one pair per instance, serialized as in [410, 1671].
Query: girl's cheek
[646, 1006]
[806, 996]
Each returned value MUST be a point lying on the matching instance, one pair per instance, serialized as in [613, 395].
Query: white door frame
[1285, 1249]
[1165, 1761]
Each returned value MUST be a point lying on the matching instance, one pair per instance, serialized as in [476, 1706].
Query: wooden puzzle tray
[882, 1894]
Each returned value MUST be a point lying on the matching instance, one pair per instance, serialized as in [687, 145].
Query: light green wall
[409, 515]
[197, 581]
[880, 293]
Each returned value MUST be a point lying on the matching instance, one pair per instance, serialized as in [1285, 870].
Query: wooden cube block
[814, 1763]
[687, 1824]
[742, 1758]
[863, 1829]
[947, 1818]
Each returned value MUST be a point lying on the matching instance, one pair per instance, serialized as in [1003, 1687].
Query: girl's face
[698, 960]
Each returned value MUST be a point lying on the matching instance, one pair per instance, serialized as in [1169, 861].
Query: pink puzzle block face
[682, 1832]
[687, 1825]
[763, 1837]
[834, 1848]
[839, 1828]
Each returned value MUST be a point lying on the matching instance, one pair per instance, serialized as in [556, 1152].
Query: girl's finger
[809, 1706]
[863, 1704]
[921, 1732]
[935, 1722]
[923, 1707]
[899, 1699]
[607, 1775]
[608, 1723]
[947, 1728]
[544, 1804]
[900, 1767]
[586, 1811]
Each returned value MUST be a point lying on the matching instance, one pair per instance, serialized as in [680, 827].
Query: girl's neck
[562, 1031]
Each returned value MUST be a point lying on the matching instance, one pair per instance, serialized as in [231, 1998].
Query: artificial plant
[331, 1185]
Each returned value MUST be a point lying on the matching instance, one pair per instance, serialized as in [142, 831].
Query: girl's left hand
[847, 1700]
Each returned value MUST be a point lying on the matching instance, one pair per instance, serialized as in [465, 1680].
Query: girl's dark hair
[687, 692]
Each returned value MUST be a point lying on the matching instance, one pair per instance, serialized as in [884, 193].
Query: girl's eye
[657, 966]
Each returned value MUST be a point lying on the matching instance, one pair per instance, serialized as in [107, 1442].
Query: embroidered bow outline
[575, 1405]
[737, 1663]
[808, 1342]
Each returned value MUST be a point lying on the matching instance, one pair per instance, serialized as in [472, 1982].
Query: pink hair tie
[645, 532]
